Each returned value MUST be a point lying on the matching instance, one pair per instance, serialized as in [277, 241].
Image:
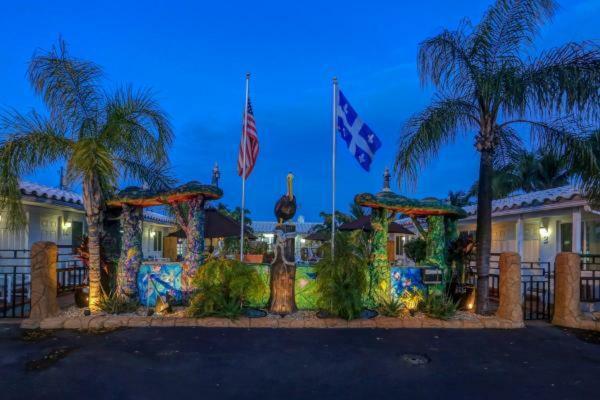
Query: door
[566, 237]
[49, 229]
[531, 243]
[76, 234]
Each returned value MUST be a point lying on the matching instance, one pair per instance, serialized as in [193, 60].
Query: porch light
[544, 232]
[152, 234]
[67, 225]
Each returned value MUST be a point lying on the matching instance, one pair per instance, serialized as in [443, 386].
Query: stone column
[567, 278]
[511, 306]
[43, 280]
[131, 250]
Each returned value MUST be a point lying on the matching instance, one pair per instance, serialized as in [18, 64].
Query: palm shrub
[102, 137]
[114, 303]
[223, 287]
[416, 250]
[341, 280]
[439, 305]
[489, 84]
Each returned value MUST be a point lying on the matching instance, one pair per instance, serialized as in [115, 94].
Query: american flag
[251, 144]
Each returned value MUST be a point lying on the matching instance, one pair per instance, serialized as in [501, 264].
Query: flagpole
[245, 138]
[333, 135]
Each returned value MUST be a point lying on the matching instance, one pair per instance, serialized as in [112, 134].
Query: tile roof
[67, 196]
[531, 199]
[153, 216]
[42, 191]
[269, 226]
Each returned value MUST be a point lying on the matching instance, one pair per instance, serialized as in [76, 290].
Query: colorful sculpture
[385, 205]
[188, 202]
[285, 208]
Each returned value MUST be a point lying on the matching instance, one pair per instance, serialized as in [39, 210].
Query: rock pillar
[43, 280]
[510, 307]
[567, 278]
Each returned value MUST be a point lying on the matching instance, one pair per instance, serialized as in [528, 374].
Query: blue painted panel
[155, 279]
[404, 278]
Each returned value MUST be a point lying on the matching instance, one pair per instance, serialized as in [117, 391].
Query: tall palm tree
[103, 137]
[487, 85]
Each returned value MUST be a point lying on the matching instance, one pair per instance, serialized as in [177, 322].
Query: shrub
[390, 307]
[341, 281]
[116, 304]
[223, 287]
[439, 306]
[416, 250]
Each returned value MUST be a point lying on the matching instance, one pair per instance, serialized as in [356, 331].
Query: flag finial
[247, 75]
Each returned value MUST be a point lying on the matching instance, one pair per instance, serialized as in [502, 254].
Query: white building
[58, 216]
[265, 232]
[538, 225]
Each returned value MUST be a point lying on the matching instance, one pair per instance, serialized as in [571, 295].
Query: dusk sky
[194, 56]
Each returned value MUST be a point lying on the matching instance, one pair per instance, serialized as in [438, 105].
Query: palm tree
[528, 172]
[357, 211]
[103, 137]
[488, 86]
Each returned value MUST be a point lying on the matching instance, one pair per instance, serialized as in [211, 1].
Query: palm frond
[136, 123]
[426, 132]
[68, 86]
[563, 80]
[506, 27]
[29, 142]
[444, 61]
[156, 175]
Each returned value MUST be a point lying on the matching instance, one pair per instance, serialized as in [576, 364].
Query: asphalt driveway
[540, 362]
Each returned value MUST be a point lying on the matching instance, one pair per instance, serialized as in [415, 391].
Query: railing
[15, 279]
[590, 278]
[15, 292]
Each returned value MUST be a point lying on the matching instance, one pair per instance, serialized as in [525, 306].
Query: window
[566, 237]
[158, 242]
[399, 246]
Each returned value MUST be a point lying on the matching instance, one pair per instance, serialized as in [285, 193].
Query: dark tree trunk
[92, 200]
[283, 272]
[484, 229]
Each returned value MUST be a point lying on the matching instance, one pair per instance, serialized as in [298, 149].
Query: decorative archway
[188, 201]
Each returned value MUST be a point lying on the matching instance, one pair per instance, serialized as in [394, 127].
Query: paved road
[539, 362]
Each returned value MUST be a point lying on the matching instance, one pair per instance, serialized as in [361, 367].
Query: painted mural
[406, 279]
[164, 280]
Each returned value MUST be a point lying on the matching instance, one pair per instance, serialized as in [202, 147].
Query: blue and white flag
[359, 138]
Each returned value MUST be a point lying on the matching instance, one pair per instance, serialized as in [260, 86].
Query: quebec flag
[359, 138]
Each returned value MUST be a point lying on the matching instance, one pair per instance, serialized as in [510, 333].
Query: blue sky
[194, 56]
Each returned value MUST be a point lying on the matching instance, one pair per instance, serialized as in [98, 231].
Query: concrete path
[539, 361]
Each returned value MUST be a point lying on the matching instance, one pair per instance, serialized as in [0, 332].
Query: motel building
[57, 215]
[539, 225]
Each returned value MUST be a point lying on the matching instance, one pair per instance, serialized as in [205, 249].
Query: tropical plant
[416, 250]
[113, 303]
[528, 172]
[390, 306]
[223, 287]
[487, 85]
[460, 198]
[439, 306]
[325, 226]
[357, 211]
[103, 137]
[341, 280]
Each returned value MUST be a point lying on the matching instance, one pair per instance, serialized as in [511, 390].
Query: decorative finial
[216, 174]
[247, 75]
[335, 80]
[386, 180]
